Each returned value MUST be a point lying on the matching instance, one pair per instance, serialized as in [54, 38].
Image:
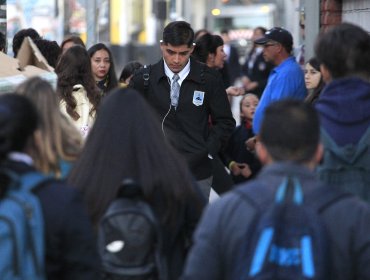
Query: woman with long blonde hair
[61, 141]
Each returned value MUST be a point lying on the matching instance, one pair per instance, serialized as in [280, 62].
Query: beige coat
[86, 120]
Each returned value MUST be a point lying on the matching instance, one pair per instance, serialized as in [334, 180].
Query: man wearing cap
[286, 80]
[186, 94]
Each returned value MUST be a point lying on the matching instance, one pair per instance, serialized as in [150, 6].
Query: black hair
[111, 79]
[50, 50]
[290, 131]
[18, 121]
[126, 141]
[19, 37]
[205, 45]
[178, 33]
[2, 42]
[129, 69]
[344, 51]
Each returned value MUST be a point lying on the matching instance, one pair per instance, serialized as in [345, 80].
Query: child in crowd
[242, 162]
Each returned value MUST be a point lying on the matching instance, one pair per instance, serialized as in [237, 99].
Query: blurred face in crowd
[217, 60]
[100, 64]
[311, 76]
[271, 50]
[257, 33]
[176, 57]
[248, 106]
[67, 45]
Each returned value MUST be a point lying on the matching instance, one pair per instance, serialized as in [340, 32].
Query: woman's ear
[211, 60]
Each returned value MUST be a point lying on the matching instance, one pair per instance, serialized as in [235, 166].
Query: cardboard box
[29, 62]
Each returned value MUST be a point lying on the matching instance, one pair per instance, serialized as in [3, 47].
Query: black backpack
[129, 238]
[287, 239]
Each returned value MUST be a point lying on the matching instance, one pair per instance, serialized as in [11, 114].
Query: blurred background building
[133, 27]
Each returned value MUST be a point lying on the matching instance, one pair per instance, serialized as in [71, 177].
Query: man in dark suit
[232, 65]
[256, 70]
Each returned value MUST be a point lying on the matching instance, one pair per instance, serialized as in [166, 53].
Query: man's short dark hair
[178, 33]
[290, 131]
[344, 50]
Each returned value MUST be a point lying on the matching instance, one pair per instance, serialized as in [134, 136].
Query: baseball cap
[279, 35]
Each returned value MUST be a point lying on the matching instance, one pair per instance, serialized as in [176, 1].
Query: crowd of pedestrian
[169, 127]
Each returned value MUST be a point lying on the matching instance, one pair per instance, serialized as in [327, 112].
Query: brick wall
[331, 13]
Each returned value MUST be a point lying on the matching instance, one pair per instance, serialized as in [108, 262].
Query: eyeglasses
[269, 45]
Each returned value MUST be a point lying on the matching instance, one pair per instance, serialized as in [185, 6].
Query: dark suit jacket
[259, 73]
[232, 65]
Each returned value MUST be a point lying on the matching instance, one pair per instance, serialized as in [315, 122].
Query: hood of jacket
[344, 109]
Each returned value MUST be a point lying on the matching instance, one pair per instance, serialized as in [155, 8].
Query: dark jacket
[258, 73]
[232, 65]
[236, 150]
[71, 251]
[227, 221]
[187, 127]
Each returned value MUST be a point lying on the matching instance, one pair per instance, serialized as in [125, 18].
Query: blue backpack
[21, 228]
[287, 239]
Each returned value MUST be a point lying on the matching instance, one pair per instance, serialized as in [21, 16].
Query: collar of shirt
[227, 49]
[21, 157]
[259, 50]
[283, 65]
[182, 74]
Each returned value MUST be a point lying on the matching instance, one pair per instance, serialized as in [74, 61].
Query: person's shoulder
[210, 73]
[231, 201]
[147, 69]
[292, 65]
[56, 191]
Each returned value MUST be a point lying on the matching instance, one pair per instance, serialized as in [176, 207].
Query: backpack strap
[324, 196]
[256, 195]
[320, 198]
